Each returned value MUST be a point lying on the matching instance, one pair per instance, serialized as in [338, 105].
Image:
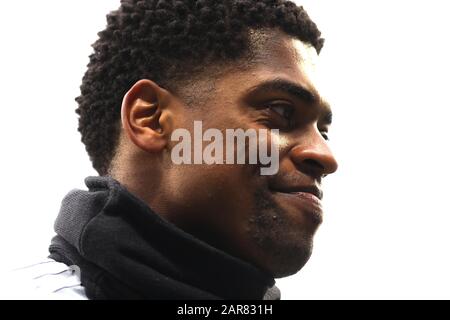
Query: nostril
[311, 168]
[313, 164]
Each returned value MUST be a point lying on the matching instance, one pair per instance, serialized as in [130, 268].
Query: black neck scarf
[126, 251]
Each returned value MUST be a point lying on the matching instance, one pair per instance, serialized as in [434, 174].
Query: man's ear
[142, 110]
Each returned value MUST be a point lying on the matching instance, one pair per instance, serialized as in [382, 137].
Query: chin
[287, 261]
[282, 239]
[281, 252]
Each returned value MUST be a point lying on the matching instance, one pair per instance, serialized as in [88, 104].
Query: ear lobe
[141, 116]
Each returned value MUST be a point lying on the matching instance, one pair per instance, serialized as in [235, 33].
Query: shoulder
[44, 280]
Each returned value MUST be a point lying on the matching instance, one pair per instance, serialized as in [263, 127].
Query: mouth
[306, 199]
[309, 191]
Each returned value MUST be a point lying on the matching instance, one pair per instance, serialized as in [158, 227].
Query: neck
[142, 248]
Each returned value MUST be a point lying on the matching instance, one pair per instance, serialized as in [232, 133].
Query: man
[151, 228]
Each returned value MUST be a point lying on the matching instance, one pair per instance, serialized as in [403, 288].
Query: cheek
[206, 185]
[219, 197]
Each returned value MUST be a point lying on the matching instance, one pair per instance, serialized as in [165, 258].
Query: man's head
[160, 66]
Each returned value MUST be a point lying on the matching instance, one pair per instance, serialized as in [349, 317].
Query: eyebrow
[297, 91]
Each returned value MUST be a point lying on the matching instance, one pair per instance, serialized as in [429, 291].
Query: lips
[299, 190]
[306, 199]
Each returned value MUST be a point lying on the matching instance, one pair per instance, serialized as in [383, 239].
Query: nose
[313, 156]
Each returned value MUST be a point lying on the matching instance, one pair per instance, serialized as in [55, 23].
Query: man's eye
[284, 110]
[325, 135]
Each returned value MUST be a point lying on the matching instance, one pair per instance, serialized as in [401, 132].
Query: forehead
[285, 57]
[278, 45]
[275, 55]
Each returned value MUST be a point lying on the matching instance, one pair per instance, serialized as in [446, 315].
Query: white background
[386, 230]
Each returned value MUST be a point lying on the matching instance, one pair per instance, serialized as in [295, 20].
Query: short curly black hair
[164, 40]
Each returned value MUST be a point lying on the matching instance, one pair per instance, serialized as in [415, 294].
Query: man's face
[268, 221]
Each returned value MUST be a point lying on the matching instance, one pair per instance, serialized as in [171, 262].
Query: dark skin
[268, 221]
